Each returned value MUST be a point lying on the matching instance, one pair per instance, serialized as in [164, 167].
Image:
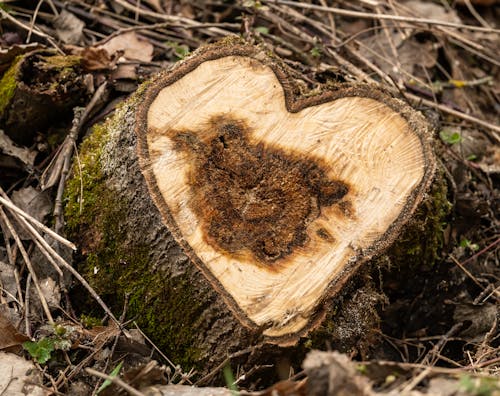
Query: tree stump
[234, 210]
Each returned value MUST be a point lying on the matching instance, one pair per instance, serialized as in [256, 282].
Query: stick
[35, 222]
[27, 260]
[368, 15]
[116, 381]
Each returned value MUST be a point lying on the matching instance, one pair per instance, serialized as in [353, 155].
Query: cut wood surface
[276, 197]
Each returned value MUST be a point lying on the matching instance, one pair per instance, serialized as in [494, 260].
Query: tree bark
[240, 215]
[38, 90]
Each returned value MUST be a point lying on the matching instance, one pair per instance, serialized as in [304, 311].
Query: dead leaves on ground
[9, 335]
[116, 55]
[423, 58]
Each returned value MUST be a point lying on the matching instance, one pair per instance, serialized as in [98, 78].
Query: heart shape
[278, 199]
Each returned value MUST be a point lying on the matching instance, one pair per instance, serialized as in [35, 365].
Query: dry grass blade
[115, 380]
[171, 18]
[35, 222]
[27, 260]
[38, 32]
[368, 15]
[52, 255]
[495, 129]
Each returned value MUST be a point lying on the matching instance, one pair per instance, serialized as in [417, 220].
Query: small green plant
[479, 386]
[465, 243]
[230, 382]
[89, 321]
[58, 339]
[262, 29]
[450, 137]
[315, 52]
[113, 374]
[40, 350]
[180, 50]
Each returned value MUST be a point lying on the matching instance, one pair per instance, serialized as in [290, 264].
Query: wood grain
[359, 137]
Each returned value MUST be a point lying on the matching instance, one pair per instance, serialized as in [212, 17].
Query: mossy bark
[38, 90]
[128, 251]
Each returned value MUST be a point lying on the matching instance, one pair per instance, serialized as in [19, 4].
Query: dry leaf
[101, 334]
[435, 11]
[51, 291]
[97, 59]
[19, 377]
[480, 2]
[286, 388]
[25, 155]
[337, 373]
[185, 390]
[480, 319]
[69, 28]
[133, 47]
[128, 46]
[411, 53]
[140, 376]
[36, 203]
[8, 282]
[490, 163]
[9, 336]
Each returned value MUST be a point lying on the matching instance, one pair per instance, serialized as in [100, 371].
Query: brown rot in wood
[253, 197]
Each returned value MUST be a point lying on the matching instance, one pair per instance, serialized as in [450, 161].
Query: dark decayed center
[250, 196]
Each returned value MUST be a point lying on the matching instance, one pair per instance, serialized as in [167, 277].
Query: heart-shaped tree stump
[260, 202]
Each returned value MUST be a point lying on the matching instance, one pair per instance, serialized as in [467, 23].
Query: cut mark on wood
[228, 119]
[251, 196]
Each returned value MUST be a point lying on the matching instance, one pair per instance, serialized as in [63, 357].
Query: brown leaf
[429, 10]
[24, 154]
[69, 28]
[133, 47]
[101, 334]
[124, 72]
[97, 59]
[490, 162]
[412, 54]
[9, 336]
[332, 373]
[140, 376]
[286, 388]
[8, 281]
[19, 377]
[34, 202]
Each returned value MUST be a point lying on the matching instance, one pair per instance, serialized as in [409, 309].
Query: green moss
[62, 62]
[162, 309]
[90, 321]
[118, 268]
[85, 190]
[419, 245]
[8, 85]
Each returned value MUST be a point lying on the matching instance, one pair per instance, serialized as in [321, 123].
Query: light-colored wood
[381, 156]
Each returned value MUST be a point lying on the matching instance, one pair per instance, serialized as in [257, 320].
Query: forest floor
[440, 330]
